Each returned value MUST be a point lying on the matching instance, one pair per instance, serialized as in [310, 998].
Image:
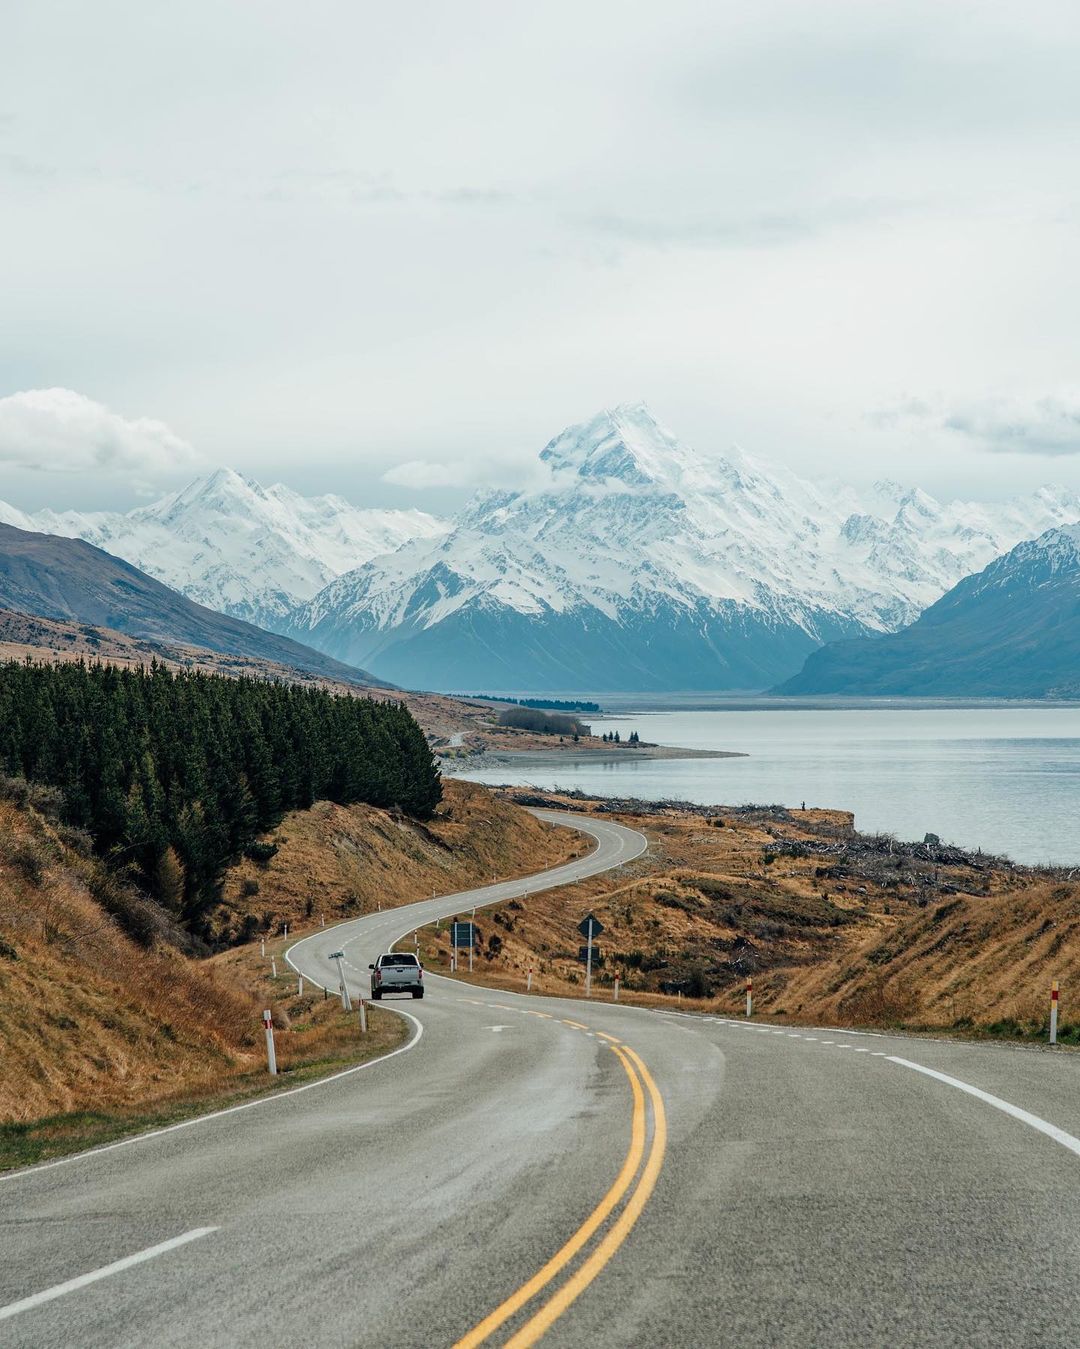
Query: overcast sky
[319, 242]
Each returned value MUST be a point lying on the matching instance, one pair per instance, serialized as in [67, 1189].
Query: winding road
[580, 1173]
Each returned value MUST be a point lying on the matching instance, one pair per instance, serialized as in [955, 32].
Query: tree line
[175, 775]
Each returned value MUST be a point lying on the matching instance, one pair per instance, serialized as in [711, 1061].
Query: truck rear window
[398, 960]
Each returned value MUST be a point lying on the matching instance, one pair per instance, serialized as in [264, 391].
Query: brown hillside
[832, 926]
[336, 862]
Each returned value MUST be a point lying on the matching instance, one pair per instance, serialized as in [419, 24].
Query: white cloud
[421, 473]
[1048, 424]
[60, 431]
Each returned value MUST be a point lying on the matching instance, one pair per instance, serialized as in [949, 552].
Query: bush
[261, 853]
[546, 723]
[250, 887]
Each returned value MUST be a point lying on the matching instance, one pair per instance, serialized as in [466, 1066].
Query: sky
[391, 250]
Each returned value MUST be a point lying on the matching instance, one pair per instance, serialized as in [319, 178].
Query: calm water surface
[1006, 779]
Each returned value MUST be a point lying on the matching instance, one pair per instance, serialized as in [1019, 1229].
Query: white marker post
[749, 996]
[262, 947]
[271, 1057]
[363, 1017]
[286, 930]
[1053, 1012]
[346, 1001]
[616, 998]
[588, 962]
[273, 966]
[528, 981]
[299, 985]
[472, 938]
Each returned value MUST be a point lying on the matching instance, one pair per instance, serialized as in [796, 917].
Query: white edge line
[1024, 1116]
[72, 1285]
[24, 1172]
[219, 1114]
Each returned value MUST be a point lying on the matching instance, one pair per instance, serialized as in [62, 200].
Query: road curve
[577, 1173]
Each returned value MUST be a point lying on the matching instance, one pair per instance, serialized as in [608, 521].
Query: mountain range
[1010, 631]
[635, 563]
[629, 562]
[232, 545]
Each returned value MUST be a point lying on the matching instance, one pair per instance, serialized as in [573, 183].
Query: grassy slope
[340, 861]
[875, 943]
[99, 1037]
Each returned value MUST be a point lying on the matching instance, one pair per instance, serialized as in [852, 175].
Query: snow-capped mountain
[1011, 630]
[639, 564]
[245, 550]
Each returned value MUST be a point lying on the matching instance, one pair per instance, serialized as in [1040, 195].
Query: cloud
[421, 473]
[60, 431]
[1048, 424]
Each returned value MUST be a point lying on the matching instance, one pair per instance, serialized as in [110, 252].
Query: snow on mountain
[232, 545]
[639, 564]
[1008, 631]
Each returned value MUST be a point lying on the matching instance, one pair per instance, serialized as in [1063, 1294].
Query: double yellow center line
[629, 1181]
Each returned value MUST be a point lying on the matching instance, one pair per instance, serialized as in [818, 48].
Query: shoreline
[488, 759]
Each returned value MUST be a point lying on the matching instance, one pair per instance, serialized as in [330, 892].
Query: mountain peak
[624, 444]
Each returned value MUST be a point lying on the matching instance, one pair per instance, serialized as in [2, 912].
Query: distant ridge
[71, 580]
[1011, 631]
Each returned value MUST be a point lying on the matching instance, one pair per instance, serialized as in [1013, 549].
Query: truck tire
[418, 992]
[376, 994]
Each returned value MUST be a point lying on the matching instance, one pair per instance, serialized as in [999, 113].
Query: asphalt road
[580, 1173]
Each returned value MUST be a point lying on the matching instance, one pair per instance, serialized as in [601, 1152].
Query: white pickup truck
[396, 972]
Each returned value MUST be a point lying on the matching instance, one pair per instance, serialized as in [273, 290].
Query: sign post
[346, 1001]
[589, 927]
[1053, 1012]
[749, 995]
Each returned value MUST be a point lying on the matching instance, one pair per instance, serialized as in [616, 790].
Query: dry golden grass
[99, 1035]
[336, 862]
[978, 951]
[89, 1021]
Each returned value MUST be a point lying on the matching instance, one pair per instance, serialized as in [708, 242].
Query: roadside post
[616, 998]
[299, 985]
[286, 934]
[528, 981]
[271, 1057]
[363, 1017]
[589, 927]
[472, 940]
[262, 947]
[346, 1001]
[749, 995]
[1053, 1012]
[273, 966]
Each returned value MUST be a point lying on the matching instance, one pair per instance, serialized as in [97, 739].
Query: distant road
[579, 1172]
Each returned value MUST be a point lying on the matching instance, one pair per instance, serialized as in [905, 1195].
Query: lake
[1005, 778]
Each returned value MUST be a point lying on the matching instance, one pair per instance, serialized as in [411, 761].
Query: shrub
[250, 887]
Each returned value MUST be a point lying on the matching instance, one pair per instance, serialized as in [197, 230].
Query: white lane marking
[118, 1266]
[878, 1054]
[1024, 1116]
[844, 1046]
[860, 1050]
[811, 1039]
[496, 1028]
[218, 1114]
